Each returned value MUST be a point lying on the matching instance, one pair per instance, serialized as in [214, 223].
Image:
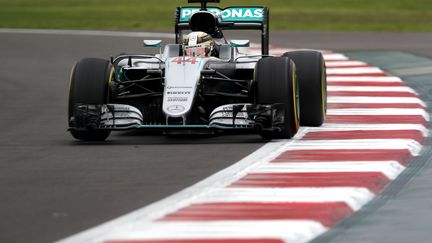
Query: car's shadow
[158, 138]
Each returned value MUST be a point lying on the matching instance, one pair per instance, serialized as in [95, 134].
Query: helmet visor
[197, 51]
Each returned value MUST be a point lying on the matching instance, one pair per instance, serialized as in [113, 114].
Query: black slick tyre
[89, 85]
[276, 83]
[311, 74]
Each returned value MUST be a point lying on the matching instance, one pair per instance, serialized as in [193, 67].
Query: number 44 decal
[180, 60]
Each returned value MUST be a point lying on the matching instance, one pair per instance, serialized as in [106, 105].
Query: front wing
[231, 116]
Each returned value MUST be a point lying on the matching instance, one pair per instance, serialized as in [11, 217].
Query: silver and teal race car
[176, 92]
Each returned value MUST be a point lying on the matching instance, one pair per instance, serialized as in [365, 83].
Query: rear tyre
[276, 83]
[89, 85]
[311, 73]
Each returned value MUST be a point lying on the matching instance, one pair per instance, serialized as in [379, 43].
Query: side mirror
[240, 43]
[152, 43]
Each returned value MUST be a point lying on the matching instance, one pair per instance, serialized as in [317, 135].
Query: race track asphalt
[52, 186]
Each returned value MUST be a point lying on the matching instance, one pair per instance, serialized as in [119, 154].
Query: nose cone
[182, 75]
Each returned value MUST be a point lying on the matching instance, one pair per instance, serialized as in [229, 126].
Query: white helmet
[199, 44]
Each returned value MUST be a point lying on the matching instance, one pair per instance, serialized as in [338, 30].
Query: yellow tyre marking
[111, 75]
[294, 85]
[70, 86]
[323, 90]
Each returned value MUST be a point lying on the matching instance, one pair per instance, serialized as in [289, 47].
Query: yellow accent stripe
[70, 85]
[294, 81]
[109, 82]
[323, 90]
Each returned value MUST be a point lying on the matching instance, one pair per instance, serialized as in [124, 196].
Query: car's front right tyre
[312, 77]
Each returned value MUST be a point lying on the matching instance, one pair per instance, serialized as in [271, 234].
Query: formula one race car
[200, 84]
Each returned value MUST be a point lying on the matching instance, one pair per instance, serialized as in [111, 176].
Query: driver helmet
[199, 44]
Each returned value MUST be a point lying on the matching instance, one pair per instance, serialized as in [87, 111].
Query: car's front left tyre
[276, 83]
[89, 85]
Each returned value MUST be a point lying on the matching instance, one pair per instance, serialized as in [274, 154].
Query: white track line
[371, 88]
[367, 127]
[335, 56]
[380, 111]
[361, 70]
[391, 169]
[345, 63]
[355, 197]
[328, 56]
[287, 230]
[413, 146]
[364, 79]
[372, 100]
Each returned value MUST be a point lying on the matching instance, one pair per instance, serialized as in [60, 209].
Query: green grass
[304, 15]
